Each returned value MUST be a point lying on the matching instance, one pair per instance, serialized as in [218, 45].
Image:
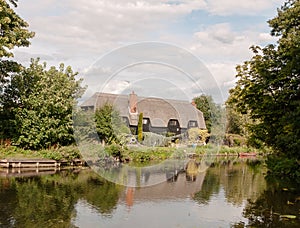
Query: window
[193, 123]
[173, 123]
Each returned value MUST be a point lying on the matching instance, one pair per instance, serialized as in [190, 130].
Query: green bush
[197, 135]
[63, 153]
[148, 153]
[152, 139]
[235, 140]
[114, 150]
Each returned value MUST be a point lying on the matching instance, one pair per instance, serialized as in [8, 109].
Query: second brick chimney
[133, 102]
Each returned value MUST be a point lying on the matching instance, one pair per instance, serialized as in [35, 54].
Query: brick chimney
[133, 102]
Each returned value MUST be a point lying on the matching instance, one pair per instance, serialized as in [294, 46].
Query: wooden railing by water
[37, 163]
[28, 163]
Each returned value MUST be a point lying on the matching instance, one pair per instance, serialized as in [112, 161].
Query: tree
[211, 111]
[13, 33]
[109, 125]
[268, 88]
[140, 127]
[40, 104]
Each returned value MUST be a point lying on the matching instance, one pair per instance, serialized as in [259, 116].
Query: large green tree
[268, 88]
[40, 103]
[13, 33]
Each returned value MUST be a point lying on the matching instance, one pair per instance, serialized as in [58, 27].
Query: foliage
[14, 33]
[211, 111]
[283, 166]
[197, 135]
[140, 128]
[38, 104]
[109, 125]
[235, 140]
[152, 139]
[114, 150]
[236, 122]
[66, 153]
[148, 153]
[15, 152]
[268, 86]
[84, 126]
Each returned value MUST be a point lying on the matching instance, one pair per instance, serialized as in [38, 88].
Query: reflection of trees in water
[48, 201]
[8, 201]
[239, 180]
[210, 186]
[102, 194]
[271, 206]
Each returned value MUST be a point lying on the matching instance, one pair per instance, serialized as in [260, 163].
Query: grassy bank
[136, 154]
[63, 153]
[144, 154]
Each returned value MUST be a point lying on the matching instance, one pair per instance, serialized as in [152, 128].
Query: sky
[175, 49]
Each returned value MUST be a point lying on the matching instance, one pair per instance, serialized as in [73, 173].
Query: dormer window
[192, 123]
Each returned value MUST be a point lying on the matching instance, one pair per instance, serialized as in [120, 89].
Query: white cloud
[219, 32]
[82, 29]
[240, 7]
[78, 32]
[220, 43]
[222, 49]
[266, 37]
[93, 24]
[222, 72]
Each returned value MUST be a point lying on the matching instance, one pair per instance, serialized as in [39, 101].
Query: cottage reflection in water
[179, 184]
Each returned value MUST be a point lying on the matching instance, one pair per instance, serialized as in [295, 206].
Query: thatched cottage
[159, 115]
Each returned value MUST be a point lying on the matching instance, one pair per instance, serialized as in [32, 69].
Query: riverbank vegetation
[67, 153]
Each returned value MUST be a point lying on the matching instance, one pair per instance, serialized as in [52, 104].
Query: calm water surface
[232, 193]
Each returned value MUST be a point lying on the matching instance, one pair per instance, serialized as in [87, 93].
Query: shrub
[234, 140]
[197, 135]
[114, 150]
[152, 139]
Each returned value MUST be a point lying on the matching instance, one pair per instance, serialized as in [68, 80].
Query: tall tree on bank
[268, 88]
[13, 33]
[41, 103]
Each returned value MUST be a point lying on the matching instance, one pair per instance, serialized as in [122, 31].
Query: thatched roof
[158, 110]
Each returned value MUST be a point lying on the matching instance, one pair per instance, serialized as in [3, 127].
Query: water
[232, 193]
